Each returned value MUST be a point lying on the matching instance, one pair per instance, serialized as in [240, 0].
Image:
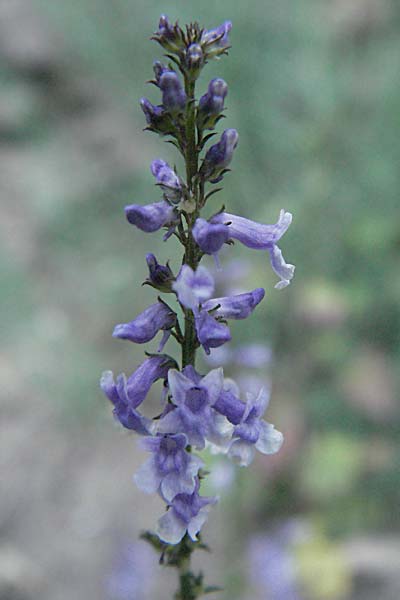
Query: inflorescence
[199, 410]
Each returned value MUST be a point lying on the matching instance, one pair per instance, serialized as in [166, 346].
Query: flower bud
[160, 276]
[173, 94]
[167, 179]
[219, 156]
[215, 41]
[156, 118]
[145, 327]
[169, 36]
[212, 103]
[159, 69]
[150, 217]
[194, 58]
[151, 112]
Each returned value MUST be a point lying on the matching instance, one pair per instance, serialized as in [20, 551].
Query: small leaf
[214, 191]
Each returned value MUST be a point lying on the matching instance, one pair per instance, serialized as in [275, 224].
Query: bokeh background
[315, 96]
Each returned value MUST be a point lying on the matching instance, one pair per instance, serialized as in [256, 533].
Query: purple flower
[193, 287]
[150, 217]
[167, 179]
[170, 470]
[168, 35]
[211, 104]
[211, 333]
[193, 414]
[229, 405]
[253, 432]
[261, 237]
[187, 513]
[156, 317]
[160, 276]
[128, 394]
[216, 41]
[173, 94]
[219, 156]
[235, 307]
[210, 237]
[194, 57]
[124, 410]
[159, 69]
[152, 113]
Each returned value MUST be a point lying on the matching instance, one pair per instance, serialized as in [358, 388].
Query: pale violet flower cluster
[199, 410]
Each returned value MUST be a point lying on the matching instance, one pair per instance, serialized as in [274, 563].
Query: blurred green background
[314, 91]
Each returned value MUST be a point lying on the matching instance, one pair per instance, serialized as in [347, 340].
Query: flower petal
[179, 385]
[170, 528]
[241, 453]
[146, 478]
[195, 524]
[213, 382]
[284, 270]
[174, 484]
[270, 439]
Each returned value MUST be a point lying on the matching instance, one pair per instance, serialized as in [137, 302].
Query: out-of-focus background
[314, 91]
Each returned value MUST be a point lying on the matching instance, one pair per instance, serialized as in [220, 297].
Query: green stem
[191, 257]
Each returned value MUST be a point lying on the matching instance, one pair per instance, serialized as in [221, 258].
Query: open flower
[193, 414]
[187, 513]
[193, 287]
[253, 432]
[261, 237]
[127, 394]
[171, 470]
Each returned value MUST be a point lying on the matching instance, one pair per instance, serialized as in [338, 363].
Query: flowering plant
[199, 410]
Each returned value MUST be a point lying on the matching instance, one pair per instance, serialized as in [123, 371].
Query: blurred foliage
[314, 93]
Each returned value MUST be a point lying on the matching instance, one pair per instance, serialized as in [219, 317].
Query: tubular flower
[253, 432]
[173, 94]
[150, 217]
[171, 470]
[235, 307]
[219, 156]
[261, 237]
[128, 394]
[155, 318]
[211, 104]
[187, 513]
[193, 414]
[167, 179]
